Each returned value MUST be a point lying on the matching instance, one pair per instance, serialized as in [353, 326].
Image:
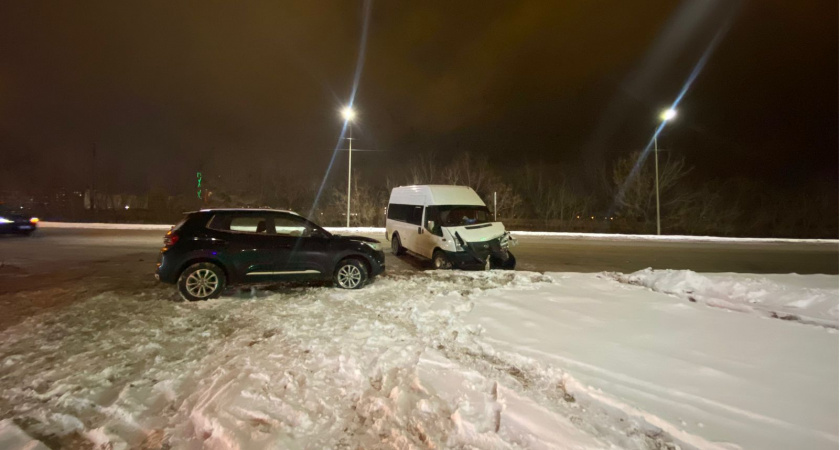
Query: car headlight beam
[376, 246]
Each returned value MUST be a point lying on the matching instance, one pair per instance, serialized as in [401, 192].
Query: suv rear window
[242, 224]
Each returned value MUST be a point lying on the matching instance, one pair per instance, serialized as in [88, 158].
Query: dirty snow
[433, 359]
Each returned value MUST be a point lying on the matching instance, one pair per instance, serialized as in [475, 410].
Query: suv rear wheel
[350, 274]
[201, 281]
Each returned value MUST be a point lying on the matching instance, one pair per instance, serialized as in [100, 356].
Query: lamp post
[666, 115]
[348, 115]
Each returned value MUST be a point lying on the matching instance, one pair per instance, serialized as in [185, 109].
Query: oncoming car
[213, 248]
[14, 222]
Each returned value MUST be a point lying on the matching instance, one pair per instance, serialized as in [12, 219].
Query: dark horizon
[165, 90]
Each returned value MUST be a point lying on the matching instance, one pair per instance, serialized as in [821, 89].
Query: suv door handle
[419, 230]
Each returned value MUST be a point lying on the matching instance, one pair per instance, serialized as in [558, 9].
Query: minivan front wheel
[201, 281]
[396, 245]
[350, 274]
[440, 261]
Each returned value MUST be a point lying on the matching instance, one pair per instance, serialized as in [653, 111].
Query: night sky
[162, 89]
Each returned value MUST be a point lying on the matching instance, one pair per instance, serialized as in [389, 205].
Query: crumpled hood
[478, 233]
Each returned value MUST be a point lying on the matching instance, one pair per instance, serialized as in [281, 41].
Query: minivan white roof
[435, 194]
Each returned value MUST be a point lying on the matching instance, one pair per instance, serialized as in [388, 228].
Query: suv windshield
[455, 215]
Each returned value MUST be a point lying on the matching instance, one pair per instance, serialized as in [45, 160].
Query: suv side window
[241, 224]
[291, 226]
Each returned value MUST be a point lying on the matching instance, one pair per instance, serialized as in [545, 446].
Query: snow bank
[351, 230]
[563, 235]
[666, 238]
[442, 359]
[104, 226]
[803, 298]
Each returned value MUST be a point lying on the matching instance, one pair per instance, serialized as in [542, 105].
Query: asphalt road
[57, 265]
[54, 249]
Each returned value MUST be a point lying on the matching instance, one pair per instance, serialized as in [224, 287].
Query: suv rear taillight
[171, 238]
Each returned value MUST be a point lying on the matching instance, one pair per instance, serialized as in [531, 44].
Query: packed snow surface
[437, 359]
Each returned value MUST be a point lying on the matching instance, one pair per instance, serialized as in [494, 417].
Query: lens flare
[360, 62]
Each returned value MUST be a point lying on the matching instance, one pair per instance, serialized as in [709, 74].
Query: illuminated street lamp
[349, 114]
[666, 115]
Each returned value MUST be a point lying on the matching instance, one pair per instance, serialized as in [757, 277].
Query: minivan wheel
[440, 261]
[350, 274]
[201, 281]
[396, 245]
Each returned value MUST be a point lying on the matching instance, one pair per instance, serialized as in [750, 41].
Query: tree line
[530, 196]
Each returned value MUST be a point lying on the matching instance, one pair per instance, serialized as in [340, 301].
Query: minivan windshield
[456, 215]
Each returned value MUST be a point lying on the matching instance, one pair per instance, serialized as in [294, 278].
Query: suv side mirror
[430, 225]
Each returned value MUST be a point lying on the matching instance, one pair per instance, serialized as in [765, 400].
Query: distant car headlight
[376, 246]
[5, 220]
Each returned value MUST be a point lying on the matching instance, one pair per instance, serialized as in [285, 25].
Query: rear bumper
[166, 270]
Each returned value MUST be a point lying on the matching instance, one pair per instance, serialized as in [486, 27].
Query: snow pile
[441, 359]
[704, 377]
[804, 298]
[667, 237]
[387, 366]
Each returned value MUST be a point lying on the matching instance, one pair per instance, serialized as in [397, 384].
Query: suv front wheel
[201, 281]
[350, 274]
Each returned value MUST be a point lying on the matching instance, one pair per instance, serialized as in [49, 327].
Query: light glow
[34, 220]
[668, 114]
[348, 113]
[5, 220]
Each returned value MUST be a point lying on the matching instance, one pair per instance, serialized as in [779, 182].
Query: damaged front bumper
[489, 254]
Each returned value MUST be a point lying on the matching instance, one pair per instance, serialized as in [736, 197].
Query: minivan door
[427, 240]
[413, 229]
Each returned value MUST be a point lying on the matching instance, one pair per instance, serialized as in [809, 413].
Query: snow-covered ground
[435, 359]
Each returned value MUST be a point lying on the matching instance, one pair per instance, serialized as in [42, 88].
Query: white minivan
[449, 225]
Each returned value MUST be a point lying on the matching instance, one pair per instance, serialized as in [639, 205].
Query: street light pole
[349, 114]
[656, 165]
[349, 168]
[666, 115]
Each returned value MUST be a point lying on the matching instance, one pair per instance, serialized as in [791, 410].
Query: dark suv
[216, 247]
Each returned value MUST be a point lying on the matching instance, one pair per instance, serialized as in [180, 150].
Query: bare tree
[367, 205]
[634, 181]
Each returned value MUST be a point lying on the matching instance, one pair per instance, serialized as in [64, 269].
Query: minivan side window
[433, 214]
[412, 214]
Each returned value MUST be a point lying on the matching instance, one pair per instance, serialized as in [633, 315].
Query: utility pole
[349, 168]
[93, 178]
[349, 114]
[656, 165]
